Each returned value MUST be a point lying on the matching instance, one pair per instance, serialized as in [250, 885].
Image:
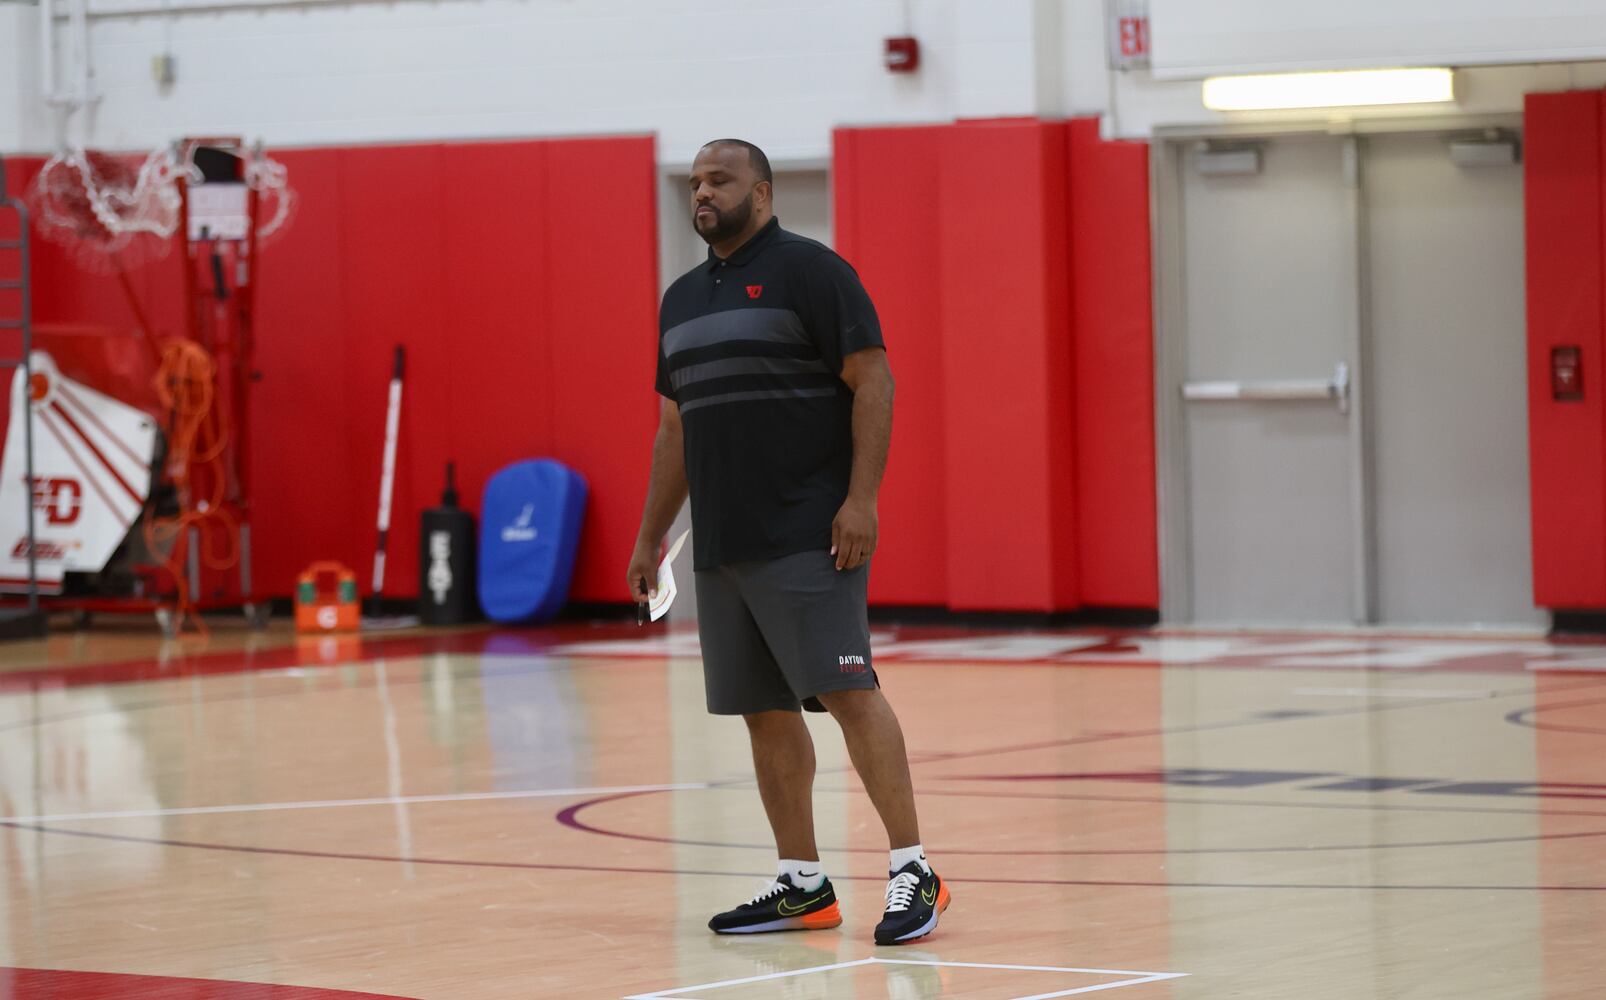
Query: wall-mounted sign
[1129, 33]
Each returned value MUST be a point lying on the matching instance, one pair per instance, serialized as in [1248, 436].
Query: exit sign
[1129, 34]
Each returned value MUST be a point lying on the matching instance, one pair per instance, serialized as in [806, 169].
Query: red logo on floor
[754, 291]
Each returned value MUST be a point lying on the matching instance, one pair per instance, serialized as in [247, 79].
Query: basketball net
[111, 212]
[116, 212]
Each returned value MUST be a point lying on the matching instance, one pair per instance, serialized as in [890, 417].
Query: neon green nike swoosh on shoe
[928, 895]
[787, 910]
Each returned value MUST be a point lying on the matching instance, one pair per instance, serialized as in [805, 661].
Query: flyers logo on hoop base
[91, 476]
[60, 499]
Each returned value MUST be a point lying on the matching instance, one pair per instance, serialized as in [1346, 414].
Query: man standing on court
[776, 418]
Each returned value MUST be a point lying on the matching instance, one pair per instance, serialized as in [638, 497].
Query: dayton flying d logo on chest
[754, 291]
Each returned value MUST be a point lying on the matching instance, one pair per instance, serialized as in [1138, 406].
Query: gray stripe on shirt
[779, 326]
[738, 397]
[745, 366]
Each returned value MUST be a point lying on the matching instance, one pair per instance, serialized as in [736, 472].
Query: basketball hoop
[220, 176]
[218, 202]
[116, 212]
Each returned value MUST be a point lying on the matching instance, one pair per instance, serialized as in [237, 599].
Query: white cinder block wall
[17, 71]
[1206, 37]
[782, 72]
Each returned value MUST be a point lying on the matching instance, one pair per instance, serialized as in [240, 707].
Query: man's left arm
[854, 531]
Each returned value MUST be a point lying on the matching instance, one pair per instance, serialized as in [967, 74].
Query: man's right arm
[666, 492]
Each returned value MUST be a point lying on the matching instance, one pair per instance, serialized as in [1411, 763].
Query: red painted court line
[53, 984]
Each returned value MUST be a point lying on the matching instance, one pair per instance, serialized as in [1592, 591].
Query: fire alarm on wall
[902, 54]
[1566, 373]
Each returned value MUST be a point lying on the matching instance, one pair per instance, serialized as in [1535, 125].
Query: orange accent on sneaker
[943, 899]
[831, 916]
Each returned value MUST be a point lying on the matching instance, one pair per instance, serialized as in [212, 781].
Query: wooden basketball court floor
[483, 814]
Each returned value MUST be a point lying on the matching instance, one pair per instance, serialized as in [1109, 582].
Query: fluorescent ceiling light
[1345, 88]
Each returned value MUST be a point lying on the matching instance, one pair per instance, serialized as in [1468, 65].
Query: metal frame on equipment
[28, 621]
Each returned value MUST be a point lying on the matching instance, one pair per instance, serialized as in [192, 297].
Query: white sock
[806, 875]
[904, 855]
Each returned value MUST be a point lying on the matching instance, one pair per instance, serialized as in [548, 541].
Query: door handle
[1336, 389]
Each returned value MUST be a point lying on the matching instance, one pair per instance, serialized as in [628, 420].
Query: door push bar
[1278, 390]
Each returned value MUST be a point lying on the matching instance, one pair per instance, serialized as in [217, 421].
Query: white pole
[84, 89]
[387, 475]
[47, 51]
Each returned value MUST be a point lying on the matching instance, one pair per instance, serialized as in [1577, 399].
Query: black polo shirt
[751, 350]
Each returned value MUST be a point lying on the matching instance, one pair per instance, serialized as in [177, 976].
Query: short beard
[725, 224]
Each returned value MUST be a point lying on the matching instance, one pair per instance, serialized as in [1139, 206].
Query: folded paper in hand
[660, 599]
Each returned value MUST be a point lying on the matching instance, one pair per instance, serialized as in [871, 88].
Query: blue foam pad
[530, 520]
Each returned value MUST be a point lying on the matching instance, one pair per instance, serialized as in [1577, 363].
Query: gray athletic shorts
[778, 632]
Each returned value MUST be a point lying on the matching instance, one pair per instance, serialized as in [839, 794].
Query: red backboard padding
[1009, 262]
[1563, 179]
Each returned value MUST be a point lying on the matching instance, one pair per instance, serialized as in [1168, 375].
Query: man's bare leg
[875, 744]
[783, 757]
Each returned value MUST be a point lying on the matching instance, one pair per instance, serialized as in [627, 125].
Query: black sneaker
[781, 907]
[914, 899]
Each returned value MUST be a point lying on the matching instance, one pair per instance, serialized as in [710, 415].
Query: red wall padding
[602, 310]
[305, 477]
[1003, 276]
[1009, 262]
[1112, 317]
[879, 175]
[1563, 177]
[520, 276]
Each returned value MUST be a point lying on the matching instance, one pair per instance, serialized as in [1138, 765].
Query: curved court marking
[616, 869]
[1526, 717]
[547, 664]
[543, 662]
[1255, 803]
[397, 800]
[746, 784]
[44, 983]
[569, 818]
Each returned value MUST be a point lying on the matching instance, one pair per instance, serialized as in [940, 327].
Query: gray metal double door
[1348, 432]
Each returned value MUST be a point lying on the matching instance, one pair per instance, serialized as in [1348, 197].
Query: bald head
[755, 157]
